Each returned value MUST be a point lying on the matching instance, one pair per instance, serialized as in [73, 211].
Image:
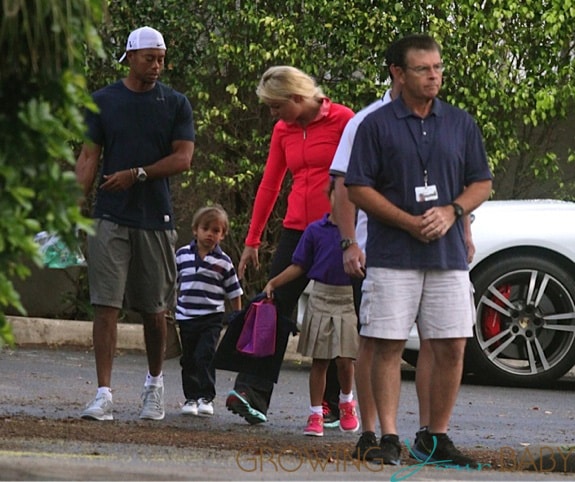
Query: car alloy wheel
[525, 329]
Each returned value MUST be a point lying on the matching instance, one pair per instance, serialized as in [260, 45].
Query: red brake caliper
[491, 325]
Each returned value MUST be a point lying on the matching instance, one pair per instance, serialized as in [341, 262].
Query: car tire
[525, 329]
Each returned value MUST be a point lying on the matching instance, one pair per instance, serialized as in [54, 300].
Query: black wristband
[459, 211]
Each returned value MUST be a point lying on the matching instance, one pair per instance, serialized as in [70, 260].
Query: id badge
[426, 193]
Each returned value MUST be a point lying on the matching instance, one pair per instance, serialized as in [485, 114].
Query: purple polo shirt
[392, 150]
[319, 253]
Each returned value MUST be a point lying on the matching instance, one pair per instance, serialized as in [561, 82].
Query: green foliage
[42, 93]
[511, 65]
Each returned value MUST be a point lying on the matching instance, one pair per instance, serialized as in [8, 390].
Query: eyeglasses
[426, 69]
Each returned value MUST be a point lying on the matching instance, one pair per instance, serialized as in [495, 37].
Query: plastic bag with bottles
[56, 254]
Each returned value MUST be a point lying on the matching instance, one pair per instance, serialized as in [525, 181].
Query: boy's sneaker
[367, 449]
[153, 403]
[314, 425]
[190, 408]
[238, 403]
[438, 447]
[98, 409]
[348, 421]
[330, 419]
[390, 449]
[205, 407]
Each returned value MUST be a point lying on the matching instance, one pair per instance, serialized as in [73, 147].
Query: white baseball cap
[144, 38]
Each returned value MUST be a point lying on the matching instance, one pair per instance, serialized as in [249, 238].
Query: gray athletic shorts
[440, 301]
[132, 268]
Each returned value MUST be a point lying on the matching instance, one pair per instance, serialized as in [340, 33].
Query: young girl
[329, 328]
[206, 277]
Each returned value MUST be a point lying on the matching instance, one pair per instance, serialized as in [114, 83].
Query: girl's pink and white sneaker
[348, 421]
[314, 425]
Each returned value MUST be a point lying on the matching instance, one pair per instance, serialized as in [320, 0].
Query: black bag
[228, 357]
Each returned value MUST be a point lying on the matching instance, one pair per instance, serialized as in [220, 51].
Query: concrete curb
[54, 333]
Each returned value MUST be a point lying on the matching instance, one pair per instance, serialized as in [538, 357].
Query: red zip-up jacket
[307, 153]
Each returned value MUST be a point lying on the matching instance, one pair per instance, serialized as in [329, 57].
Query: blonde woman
[304, 141]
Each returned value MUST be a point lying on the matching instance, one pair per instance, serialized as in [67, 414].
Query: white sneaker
[205, 407]
[98, 409]
[153, 406]
[190, 408]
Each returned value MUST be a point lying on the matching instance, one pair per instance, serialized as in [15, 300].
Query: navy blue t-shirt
[137, 129]
[393, 148]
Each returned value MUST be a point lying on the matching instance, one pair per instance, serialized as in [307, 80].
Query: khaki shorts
[440, 301]
[132, 268]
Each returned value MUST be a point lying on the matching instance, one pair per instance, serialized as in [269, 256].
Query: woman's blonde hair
[208, 214]
[282, 81]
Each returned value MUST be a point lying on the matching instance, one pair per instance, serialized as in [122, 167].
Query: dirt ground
[25, 427]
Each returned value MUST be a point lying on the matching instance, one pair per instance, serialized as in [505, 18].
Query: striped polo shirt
[204, 284]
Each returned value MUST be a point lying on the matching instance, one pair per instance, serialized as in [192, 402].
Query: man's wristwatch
[141, 174]
[458, 210]
[346, 243]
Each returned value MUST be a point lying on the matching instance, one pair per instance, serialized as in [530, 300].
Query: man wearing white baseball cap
[142, 135]
[144, 38]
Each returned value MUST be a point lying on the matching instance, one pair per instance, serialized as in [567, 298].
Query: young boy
[206, 278]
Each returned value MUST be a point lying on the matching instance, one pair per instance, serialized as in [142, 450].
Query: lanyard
[423, 139]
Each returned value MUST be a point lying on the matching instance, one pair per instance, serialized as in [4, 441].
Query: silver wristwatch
[141, 174]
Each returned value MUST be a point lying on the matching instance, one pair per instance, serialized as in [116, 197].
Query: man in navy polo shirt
[417, 166]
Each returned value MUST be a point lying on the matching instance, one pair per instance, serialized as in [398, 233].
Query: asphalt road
[55, 384]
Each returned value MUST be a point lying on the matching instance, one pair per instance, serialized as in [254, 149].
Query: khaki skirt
[329, 328]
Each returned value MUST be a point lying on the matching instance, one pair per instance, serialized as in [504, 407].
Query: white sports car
[524, 278]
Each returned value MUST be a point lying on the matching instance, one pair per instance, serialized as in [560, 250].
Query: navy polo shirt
[392, 151]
